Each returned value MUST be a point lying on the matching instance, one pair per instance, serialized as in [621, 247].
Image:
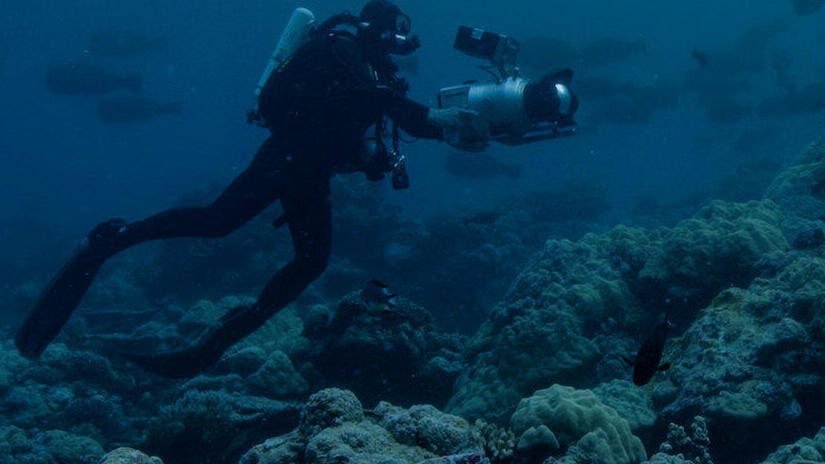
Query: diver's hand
[464, 129]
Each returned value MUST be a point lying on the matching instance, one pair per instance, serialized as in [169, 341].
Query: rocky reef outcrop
[334, 427]
[742, 283]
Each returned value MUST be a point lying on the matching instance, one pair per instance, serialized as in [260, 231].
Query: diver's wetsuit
[318, 107]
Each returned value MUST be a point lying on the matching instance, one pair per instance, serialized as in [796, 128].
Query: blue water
[63, 166]
[62, 170]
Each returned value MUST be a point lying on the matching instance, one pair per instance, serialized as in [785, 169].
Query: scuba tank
[296, 33]
[375, 157]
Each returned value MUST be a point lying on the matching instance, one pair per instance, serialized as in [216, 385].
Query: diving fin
[58, 302]
[65, 291]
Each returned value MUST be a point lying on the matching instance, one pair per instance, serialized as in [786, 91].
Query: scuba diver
[318, 106]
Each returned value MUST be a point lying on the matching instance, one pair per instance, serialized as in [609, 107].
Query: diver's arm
[413, 118]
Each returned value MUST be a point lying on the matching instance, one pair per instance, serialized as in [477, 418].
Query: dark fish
[123, 44]
[131, 109]
[724, 76]
[650, 353]
[479, 166]
[379, 298]
[88, 79]
[700, 57]
[806, 7]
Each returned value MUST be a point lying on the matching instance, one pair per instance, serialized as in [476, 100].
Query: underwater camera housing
[517, 110]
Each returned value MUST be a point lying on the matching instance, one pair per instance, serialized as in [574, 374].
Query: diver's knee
[219, 230]
[106, 237]
[220, 225]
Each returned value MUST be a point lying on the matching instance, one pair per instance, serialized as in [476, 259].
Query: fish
[806, 7]
[88, 79]
[124, 44]
[646, 363]
[380, 300]
[134, 108]
[479, 166]
[701, 58]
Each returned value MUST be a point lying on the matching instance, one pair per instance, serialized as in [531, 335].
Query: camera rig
[517, 110]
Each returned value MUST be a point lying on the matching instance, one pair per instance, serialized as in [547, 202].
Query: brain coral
[578, 418]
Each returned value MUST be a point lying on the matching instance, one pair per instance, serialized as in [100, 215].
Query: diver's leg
[250, 193]
[309, 219]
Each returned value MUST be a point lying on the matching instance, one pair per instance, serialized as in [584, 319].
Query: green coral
[549, 328]
[278, 378]
[67, 448]
[427, 427]
[631, 402]
[804, 450]
[334, 428]
[328, 407]
[579, 420]
[129, 456]
[716, 248]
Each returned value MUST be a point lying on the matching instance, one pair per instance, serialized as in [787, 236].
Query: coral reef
[214, 425]
[129, 456]
[577, 421]
[557, 324]
[398, 356]
[49, 447]
[681, 446]
[334, 427]
[542, 380]
[805, 450]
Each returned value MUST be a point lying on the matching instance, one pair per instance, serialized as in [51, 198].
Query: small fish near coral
[380, 300]
[646, 363]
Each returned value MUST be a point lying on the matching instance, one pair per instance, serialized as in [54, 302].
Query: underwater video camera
[517, 110]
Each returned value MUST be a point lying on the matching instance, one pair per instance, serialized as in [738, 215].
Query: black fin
[663, 367]
[58, 301]
[628, 361]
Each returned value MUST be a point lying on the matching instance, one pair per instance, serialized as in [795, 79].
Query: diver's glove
[462, 128]
[189, 362]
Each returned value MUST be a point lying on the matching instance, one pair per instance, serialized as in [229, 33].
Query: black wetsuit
[318, 108]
